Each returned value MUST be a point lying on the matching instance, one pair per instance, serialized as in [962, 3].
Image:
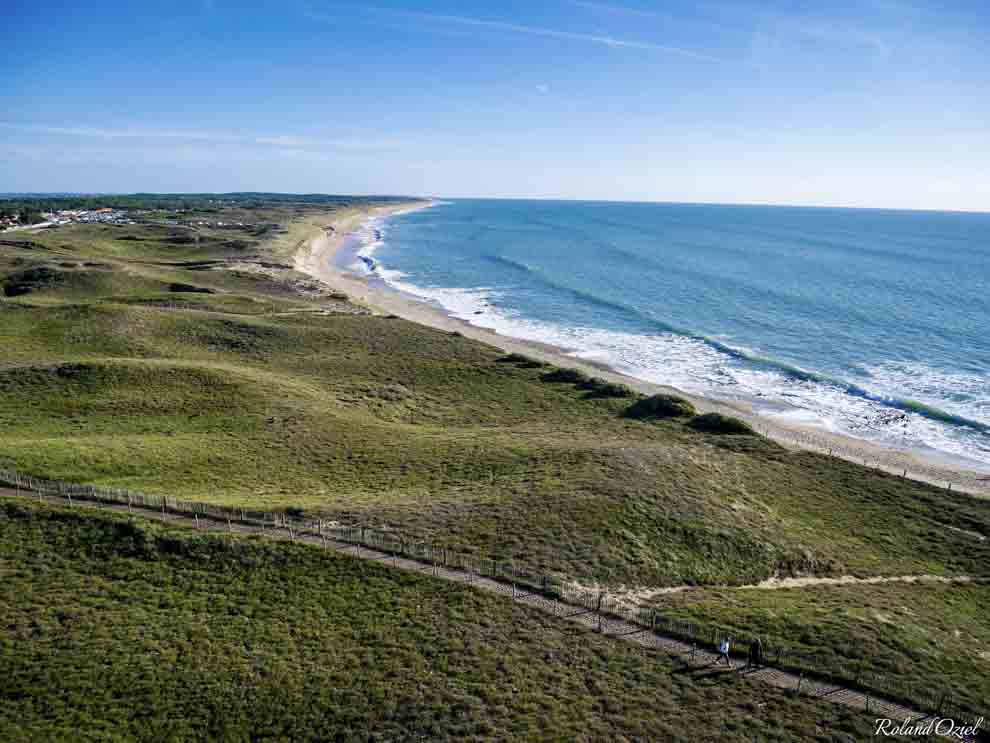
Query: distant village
[120, 217]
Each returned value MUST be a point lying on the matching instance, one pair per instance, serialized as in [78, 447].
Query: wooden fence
[830, 668]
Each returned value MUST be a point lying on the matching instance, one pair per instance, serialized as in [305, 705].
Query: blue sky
[878, 103]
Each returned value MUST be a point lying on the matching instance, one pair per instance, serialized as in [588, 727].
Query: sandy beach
[317, 259]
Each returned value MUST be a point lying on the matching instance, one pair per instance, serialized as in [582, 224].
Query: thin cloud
[823, 31]
[842, 35]
[617, 9]
[278, 141]
[552, 33]
[100, 133]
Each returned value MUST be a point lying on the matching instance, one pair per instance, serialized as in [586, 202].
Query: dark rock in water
[889, 418]
[478, 312]
[370, 263]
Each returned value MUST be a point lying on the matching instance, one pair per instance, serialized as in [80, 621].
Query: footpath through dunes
[118, 628]
[259, 398]
[690, 657]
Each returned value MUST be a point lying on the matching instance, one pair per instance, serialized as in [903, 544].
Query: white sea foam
[695, 366]
[962, 394]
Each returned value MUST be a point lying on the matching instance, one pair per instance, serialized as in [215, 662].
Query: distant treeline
[25, 214]
[37, 203]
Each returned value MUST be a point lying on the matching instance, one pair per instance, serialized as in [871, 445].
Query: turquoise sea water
[866, 322]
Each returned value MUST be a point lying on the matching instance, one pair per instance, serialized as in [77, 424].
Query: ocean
[869, 323]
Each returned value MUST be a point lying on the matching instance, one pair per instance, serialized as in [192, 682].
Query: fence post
[229, 527]
[196, 516]
[801, 681]
[129, 510]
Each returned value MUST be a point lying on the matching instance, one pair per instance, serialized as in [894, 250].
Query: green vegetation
[205, 202]
[601, 388]
[932, 636]
[718, 423]
[121, 630]
[23, 213]
[196, 363]
[261, 390]
[566, 376]
[524, 362]
[660, 406]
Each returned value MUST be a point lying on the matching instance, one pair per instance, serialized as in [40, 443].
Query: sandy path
[643, 595]
[689, 657]
[317, 260]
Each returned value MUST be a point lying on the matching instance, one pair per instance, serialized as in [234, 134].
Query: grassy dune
[935, 636]
[199, 365]
[120, 630]
[244, 395]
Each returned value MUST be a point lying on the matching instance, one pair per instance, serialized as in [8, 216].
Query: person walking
[756, 653]
[723, 652]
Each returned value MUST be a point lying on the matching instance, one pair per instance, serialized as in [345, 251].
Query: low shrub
[566, 376]
[32, 279]
[718, 423]
[660, 406]
[189, 289]
[523, 362]
[598, 387]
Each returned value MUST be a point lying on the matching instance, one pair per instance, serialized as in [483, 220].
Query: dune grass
[264, 392]
[122, 630]
[934, 636]
[243, 396]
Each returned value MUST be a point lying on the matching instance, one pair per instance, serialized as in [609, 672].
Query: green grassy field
[109, 377]
[934, 636]
[192, 364]
[121, 630]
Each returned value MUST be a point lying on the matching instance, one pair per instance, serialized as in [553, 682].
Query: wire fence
[830, 668]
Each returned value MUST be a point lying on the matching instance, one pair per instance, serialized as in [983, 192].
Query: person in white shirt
[723, 652]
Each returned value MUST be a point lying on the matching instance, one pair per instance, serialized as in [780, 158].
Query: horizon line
[67, 194]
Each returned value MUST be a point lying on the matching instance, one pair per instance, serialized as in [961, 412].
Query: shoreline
[317, 259]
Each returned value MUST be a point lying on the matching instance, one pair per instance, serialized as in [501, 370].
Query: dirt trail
[641, 595]
[692, 658]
